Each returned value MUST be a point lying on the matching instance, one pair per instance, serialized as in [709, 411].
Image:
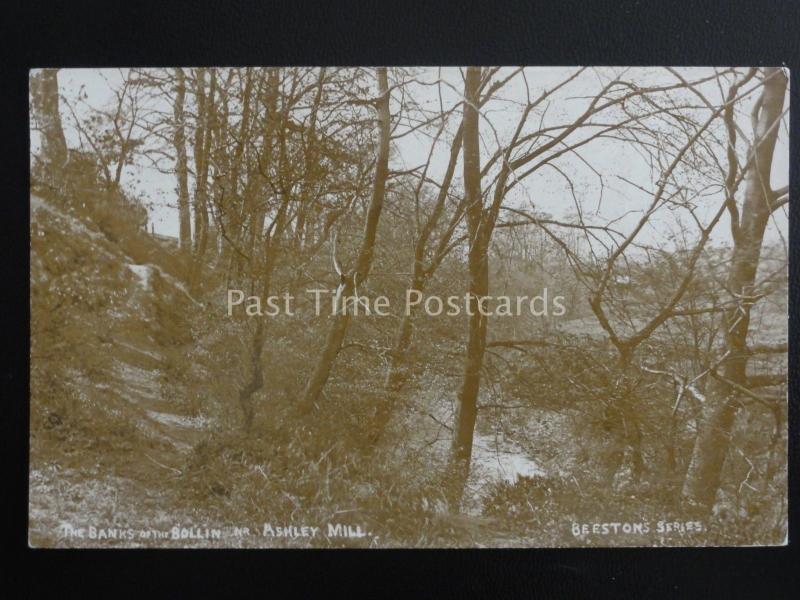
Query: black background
[130, 33]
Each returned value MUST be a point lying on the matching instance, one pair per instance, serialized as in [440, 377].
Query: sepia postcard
[408, 307]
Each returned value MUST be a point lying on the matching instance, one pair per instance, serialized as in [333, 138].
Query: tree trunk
[398, 366]
[202, 150]
[236, 200]
[47, 118]
[181, 167]
[399, 363]
[397, 374]
[333, 341]
[718, 413]
[310, 175]
[200, 183]
[467, 409]
[255, 381]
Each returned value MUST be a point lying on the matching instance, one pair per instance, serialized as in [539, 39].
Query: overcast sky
[547, 191]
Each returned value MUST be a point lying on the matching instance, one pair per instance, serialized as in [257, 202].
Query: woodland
[651, 201]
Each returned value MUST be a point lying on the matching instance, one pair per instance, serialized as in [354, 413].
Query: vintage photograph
[408, 307]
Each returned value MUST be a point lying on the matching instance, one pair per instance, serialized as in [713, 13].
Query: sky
[624, 170]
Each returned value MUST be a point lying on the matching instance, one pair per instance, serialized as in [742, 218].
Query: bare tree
[181, 166]
[760, 200]
[479, 232]
[114, 133]
[430, 248]
[425, 266]
[360, 271]
[205, 100]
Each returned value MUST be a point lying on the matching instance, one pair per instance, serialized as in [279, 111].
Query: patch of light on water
[494, 463]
